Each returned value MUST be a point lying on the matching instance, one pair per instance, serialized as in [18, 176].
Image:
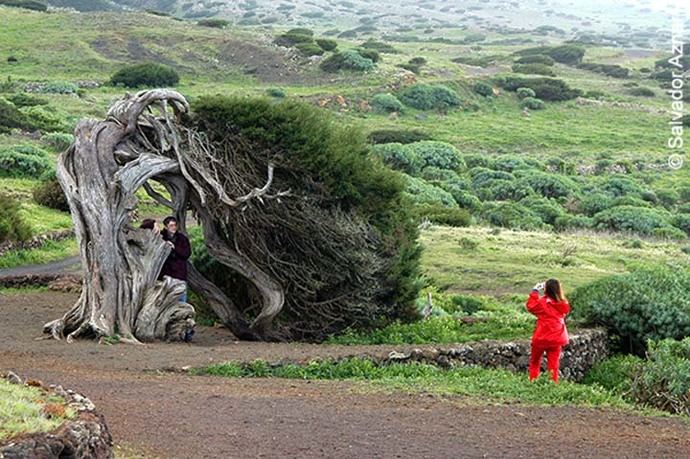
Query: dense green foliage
[351, 59]
[534, 69]
[49, 194]
[565, 54]
[660, 380]
[27, 4]
[612, 70]
[429, 97]
[24, 161]
[663, 379]
[316, 157]
[386, 103]
[397, 136]
[148, 74]
[550, 89]
[13, 227]
[647, 303]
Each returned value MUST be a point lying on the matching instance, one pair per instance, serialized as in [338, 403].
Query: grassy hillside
[609, 126]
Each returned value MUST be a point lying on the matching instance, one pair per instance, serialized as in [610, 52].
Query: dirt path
[65, 266]
[176, 415]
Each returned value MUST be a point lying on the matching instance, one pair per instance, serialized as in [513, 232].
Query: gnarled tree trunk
[100, 174]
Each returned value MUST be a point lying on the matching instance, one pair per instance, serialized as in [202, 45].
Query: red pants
[553, 356]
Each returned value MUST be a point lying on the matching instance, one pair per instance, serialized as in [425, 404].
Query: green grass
[21, 410]
[511, 262]
[441, 330]
[485, 384]
[50, 251]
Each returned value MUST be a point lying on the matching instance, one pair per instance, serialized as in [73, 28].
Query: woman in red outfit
[550, 334]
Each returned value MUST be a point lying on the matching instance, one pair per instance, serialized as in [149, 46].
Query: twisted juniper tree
[274, 220]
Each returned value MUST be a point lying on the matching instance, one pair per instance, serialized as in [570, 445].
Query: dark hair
[148, 224]
[554, 290]
[169, 219]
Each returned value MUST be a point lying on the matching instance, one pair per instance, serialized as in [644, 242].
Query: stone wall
[35, 242]
[86, 436]
[586, 348]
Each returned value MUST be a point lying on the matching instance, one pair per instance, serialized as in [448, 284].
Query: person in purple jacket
[175, 265]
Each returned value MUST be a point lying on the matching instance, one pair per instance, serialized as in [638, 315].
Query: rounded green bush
[309, 49]
[327, 44]
[149, 74]
[347, 60]
[386, 103]
[12, 226]
[551, 185]
[24, 161]
[483, 89]
[49, 194]
[422, 192]
[58, 141]
[648, 303]
[433, 153]
[429, 97]
[532, 103]
[524, 93]
[511, 215]
[399, 157]
[641, 220]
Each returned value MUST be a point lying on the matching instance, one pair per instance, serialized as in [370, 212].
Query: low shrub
[13, 227]
[59, 87]
[49, 194]
[640, 220]
[650, 303]
[550, 185]
[386, 103]
[214, 23]
[350, 59]
[423, 193]
[276, 92]
[44, 119]
[536, 59]
[524, 93]
[327, 44]
[23, 99]
[565, 54]
[612, 70]
[511, 215]
[429, 97]
[147, 74]
[309, 49]
[483, 89]
[399, 157]
[534, 69]
[12, 118]
[58, 141]
[443, 215]
[532, 103]
[403, 136]
[24, 161]
[663, 379]
[379, 46]
[433, 153]
[551, 89]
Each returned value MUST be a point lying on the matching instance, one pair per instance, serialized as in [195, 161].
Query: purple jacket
[176, 264]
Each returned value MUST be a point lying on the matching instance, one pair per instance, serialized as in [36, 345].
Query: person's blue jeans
[183, 298]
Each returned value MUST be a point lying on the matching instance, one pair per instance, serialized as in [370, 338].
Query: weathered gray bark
[100, 174]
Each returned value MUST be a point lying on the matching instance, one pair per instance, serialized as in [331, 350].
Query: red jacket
[550, 329]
